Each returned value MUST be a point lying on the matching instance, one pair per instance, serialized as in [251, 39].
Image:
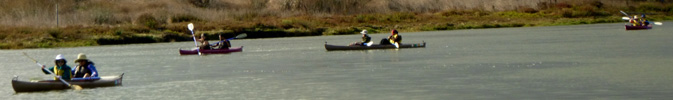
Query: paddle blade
[623, 13]
[76, 87]
[658, 23]
[397, 45]
[242, 35]
[626, 18]
[191, 27]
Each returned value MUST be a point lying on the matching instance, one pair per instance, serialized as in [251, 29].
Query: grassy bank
[114, 28]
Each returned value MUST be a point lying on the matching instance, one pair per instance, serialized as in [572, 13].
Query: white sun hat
[59, 57]
[363, 32]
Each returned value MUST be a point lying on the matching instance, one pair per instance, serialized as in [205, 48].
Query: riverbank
[148, 28]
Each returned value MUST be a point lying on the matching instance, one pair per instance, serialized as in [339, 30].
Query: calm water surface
[600, 61]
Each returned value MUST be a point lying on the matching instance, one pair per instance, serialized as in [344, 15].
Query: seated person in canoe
[204, 43]
[644, 21]
[393, 39]
[84, 68]
[60, 68]
[635, 21]
[222, 44]
[366, 40]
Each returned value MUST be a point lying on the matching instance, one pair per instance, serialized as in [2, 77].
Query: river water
[598, 61]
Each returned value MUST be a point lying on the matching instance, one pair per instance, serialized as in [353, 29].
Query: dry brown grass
[41, 13]
[31, 23]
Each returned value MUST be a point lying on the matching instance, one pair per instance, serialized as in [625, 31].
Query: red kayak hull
[628, 27]
[211, 51]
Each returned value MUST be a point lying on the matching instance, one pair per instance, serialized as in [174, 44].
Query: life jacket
[80, 71]
[395, 38]
[60, 71]
[644, 21]
[636, 22]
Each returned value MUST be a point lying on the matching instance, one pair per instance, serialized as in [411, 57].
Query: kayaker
[635, 21]
[60, 68]
[366, 40]
[84, 68]
[644, 21]
[204, 43]
[222, 44]
[392, 39]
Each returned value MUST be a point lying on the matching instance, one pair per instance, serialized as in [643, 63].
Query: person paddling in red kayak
[60, 68]
[84, 68]
[204, 43]
[222, 44]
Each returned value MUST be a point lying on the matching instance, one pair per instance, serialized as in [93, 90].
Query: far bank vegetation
[33, 24]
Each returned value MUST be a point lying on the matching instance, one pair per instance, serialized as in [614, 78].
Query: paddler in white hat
[60, 68]
[366, 40]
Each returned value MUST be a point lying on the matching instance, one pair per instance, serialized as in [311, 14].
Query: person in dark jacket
[366, 40]
[222, 44]
[84, 68]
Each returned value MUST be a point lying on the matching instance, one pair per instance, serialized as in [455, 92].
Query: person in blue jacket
[84, 68]
[60, 68]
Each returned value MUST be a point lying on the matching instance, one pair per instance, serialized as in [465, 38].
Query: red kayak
[629, 27]
[211, 51]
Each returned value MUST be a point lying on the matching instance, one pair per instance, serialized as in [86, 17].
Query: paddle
[76, 87]
[191, 28]
[627, 15]
[236, 37]
[626, 18]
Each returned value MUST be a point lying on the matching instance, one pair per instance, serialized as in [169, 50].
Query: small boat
[630, 27]
[46, 85]
[376, 46]
[211, 51]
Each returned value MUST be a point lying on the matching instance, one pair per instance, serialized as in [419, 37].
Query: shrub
[401, 16]
[104, 17]
[170, 36]
[148, 21]
[127, 39]
[597, 4]
[200, 3]
[513, 14]
[527, 10]
[54, 33]
[184, 18]
[563, 5]
[365, 18]
[643, 7]
[341, 31]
